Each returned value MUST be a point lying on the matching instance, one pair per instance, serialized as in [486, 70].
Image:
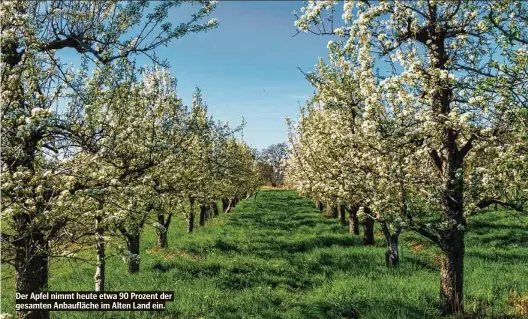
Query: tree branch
[487, 202]
[467, 147]
[436, 159]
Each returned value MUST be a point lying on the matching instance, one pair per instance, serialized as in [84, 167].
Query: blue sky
[248, 66]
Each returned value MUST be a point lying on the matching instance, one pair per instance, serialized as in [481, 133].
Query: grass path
[277, 257]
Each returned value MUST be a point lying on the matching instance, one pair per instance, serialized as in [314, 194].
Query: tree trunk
[225, 204]
[208, 212]
[327, 210]
[162, 238]
[203, 213]
[190, 222]
[320, 206]
[100, 265]
[330, 211]
[452, 275]
[353, 220]
[368, 229]
[450, 165]
[163, 232]
[229, 205]
[133, 253]
[32, 269]
[273, 184]
[392, 257]
[452, 239]
[214, 207]
[342, 215]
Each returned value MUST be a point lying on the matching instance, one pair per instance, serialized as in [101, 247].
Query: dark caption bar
[94, 301]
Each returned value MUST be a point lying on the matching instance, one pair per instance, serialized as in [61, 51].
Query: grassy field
[277, 257]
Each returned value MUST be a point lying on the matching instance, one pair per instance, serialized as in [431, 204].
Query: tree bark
[190, 222]
[450, 166]
[32, 269]
[214, 207]
[320, 206]
[392, 257]
[452, 275]
[162, 241]
[225, 204]
[342, 215]
[229, 205]
[368, 229]
[100, 266]
[330, 211]
[163, 232]
[452, 239]
[353, 220]
[133, 253]
[208, 212]
[203, 213]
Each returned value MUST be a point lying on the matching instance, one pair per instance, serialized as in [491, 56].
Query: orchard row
[416, 123]
[95, 149]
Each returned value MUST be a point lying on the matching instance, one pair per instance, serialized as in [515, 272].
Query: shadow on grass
[498, 236]
[482, 226]
[498, 256]
[225, 246]
[162, 266]
[422, 264]
[353, 307]
[307, 244]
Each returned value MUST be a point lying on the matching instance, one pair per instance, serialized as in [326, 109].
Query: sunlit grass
[276, 257]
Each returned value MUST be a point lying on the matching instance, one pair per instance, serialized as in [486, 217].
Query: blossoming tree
[442, 81]
[34, 79]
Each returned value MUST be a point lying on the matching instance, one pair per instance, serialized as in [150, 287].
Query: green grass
[277, 257]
